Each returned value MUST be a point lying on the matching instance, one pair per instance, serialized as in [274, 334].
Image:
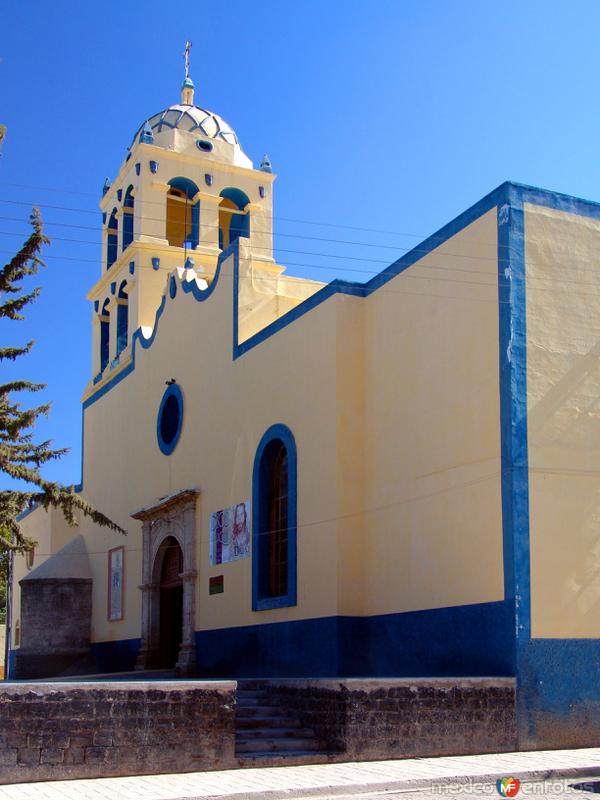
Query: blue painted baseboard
[464, 640]
[10, 667]
[460, 641]
[558, 692]
[119, 656]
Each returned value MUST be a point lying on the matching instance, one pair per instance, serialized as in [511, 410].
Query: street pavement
[544, 773]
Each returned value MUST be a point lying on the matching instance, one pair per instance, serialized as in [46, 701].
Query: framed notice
[230, 534]
[116, 574]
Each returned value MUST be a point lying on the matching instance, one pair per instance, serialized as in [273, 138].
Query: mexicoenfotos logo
[508, 787]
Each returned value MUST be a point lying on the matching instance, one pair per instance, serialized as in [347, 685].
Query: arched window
[128, 208]
[104, 335]
[183, 214]
[112, 239]
[234, 217]
[274, 521]
[122, 317]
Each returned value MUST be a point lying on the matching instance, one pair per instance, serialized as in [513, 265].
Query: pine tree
[20, 457]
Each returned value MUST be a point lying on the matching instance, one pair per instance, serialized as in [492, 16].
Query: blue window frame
[170, 419]
[274, 520]
[112, 239]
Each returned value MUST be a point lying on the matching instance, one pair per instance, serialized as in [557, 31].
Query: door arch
[169, 583]
[168, 570]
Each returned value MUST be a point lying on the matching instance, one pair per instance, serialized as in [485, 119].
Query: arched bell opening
[104, 317]
[183, 214]
[128, 212]
[234, 216]
[122, 317]
[112, 239]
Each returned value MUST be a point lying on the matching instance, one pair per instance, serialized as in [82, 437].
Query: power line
[273, 217]
[303, 282]
[159, 202]
[214, 226]
[340, 517]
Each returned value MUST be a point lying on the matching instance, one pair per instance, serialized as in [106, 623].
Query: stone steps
[282, 744]
[263, 722]
[269, 733]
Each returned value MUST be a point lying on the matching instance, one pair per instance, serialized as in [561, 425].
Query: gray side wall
[56, 616]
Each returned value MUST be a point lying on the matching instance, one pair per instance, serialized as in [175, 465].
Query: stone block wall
[56, 616]
[84, 730]
[366, 719]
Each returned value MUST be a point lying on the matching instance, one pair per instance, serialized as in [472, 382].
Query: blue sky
[378, 116]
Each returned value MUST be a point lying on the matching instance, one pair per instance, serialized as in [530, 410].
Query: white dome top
[193, 120]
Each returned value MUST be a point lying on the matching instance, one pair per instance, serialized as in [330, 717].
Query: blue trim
[446, 642]
[119, 194]
[10, 673]
[188, 287]
[113, 287]
[96, 305]
[153, 167]
[172, 287]
[155, 262]
[131, 267]
[167, 447]
[513, 407]
[137, 168]
[194, 239]
[119, 656]
[260, 600]
[184, 185]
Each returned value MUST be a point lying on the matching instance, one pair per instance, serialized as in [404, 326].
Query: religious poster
[115, 583]
[230, 533]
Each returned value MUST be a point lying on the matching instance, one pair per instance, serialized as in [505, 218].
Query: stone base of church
[33, 665]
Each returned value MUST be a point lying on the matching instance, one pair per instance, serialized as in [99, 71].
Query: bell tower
[184, 193]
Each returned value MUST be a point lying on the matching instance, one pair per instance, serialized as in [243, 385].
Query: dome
[193, 120]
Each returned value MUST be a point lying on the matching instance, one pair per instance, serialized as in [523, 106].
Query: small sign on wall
[230, 534]
[116, 569]
[216, 585]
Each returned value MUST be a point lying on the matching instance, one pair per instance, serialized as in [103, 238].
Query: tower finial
[187, 89]
[186, 56]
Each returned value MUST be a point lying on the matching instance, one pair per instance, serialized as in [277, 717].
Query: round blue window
[170, 419]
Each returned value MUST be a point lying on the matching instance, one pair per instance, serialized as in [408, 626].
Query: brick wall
[75, 730]
[406, 717]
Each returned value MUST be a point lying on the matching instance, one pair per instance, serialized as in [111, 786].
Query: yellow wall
[563, 387]
[390, 398]
[394, 404]
[432, 524]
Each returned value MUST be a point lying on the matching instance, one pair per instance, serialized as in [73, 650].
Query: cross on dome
[187, 88]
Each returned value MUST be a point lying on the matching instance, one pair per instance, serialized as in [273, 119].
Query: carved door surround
[174, 516]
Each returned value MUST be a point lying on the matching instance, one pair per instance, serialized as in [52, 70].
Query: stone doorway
[169, 583]
[170, 566]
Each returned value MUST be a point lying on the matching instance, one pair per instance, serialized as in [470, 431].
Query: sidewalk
[317, 780]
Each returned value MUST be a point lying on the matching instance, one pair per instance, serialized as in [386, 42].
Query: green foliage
[20, 457]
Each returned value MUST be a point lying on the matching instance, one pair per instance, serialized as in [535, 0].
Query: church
[391, 478]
